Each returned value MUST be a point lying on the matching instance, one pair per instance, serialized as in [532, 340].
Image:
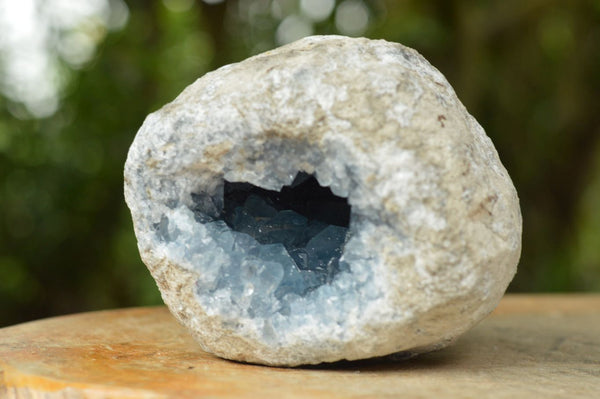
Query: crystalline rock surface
[331, 199]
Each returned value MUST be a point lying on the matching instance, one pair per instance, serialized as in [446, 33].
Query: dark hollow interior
[304, 196]
[306, 218]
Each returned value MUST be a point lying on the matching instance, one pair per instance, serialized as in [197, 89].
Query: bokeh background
[77, 79]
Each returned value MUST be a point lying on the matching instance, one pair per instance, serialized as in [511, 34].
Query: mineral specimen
[331, 199]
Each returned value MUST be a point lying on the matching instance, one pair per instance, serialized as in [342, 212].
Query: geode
[331, 199]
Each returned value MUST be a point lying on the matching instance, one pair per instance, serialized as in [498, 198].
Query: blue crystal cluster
[307, 219]
[314, 246]
[258, 251]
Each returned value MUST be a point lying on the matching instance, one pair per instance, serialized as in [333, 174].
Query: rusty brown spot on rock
[484, 207]
[441, 119]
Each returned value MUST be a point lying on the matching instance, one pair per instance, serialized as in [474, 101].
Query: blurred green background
[77, 79]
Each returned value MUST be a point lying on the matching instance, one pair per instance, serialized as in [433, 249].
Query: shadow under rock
[499, 343]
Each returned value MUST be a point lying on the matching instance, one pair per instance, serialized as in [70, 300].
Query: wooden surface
[536, 346]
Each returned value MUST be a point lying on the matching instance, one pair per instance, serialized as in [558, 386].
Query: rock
[405, 231]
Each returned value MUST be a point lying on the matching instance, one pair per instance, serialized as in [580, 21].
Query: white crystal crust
[435, 231]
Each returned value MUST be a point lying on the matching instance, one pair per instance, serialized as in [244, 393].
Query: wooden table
[532, 346]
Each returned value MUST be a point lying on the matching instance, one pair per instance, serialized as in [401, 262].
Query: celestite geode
[330, 199]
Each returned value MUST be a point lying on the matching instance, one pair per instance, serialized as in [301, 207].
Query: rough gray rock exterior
[435, 225]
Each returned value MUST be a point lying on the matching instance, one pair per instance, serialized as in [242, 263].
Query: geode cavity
[331, 199]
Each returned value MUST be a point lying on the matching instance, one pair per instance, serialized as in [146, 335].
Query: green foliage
[528, 71]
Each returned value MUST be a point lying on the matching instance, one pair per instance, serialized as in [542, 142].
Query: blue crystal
[313, 246]
[206, 207]
[259, 208]
[278, 244]
[306, 245]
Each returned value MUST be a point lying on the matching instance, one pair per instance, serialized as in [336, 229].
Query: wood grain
[532, 346]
